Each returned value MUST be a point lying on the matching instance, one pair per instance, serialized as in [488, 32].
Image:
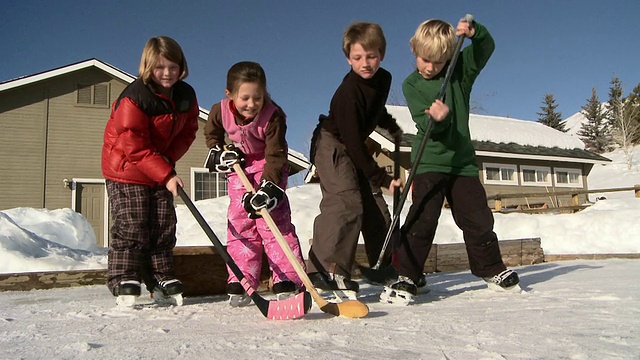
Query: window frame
[512, 182]
[569, 171]
[220, 191]
[92, 103]
[549, 181]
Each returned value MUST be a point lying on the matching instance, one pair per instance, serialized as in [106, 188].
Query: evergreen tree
[614, 109]
[594, 132]
[549, 116]
[632, 105]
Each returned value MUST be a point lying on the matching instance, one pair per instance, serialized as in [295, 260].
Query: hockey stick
[291, 308]
[349, 308]
[375, 274]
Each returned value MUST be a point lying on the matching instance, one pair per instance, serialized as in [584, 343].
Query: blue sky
[560, 47]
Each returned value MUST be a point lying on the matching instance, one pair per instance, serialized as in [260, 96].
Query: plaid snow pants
[143, 234]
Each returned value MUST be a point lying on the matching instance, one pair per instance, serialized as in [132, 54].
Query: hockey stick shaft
[347, 308]
[414, 167]
[284, 309]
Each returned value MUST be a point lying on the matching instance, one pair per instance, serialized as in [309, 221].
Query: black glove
[267, 197]
[222, 161]
[246, 202]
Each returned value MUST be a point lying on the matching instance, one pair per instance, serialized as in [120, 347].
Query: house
[514, 156]
[51, 129]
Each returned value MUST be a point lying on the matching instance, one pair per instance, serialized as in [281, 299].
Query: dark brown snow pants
[347, 207]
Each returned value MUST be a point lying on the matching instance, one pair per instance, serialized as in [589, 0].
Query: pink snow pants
[246, 237]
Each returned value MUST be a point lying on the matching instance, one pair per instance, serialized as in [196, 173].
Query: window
[500, 174]
[92, 95]
[208, 185]
[536, 176]
[568, 177]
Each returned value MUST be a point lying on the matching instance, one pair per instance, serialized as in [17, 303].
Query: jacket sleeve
[132, 126]
[213, 129]
[276, 148]
[418, 101]
[476, 56]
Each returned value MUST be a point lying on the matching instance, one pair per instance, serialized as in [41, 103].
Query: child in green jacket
[447, 168]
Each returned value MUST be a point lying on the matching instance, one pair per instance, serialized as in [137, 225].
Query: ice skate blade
[126, 301]
[395, 297]
[497, 288]
[239, 300]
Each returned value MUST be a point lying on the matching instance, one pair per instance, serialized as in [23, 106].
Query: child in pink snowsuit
[256, 129]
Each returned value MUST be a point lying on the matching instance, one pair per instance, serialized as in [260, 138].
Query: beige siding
[75, 135]
[23, 114]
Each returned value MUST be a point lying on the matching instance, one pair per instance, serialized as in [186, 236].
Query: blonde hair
[369, 35]
[161, 46]
[434, 40]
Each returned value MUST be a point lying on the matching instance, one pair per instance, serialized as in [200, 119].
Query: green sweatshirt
[449, 149]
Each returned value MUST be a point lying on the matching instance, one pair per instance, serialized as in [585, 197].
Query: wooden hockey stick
[349, 308]
[290, 308]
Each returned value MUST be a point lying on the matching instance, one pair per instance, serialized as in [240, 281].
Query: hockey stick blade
[350, 308]
[291, 308]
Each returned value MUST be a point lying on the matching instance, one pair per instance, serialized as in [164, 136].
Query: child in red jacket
[152, 125]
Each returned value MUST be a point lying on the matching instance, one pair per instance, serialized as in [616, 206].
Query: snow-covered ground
[568, 310]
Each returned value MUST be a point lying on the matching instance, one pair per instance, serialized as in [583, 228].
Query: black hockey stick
[375, 274]
[291, 308]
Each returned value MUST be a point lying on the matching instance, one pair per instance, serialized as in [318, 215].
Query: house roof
[294, 157]
[502, 137]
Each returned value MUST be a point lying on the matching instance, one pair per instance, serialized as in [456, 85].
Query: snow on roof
[499, 129]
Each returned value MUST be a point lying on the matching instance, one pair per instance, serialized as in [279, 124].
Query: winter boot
[237, 295]
[401, 292]
[126, 293]
[507, 280]
[168, 292]
[284, 289]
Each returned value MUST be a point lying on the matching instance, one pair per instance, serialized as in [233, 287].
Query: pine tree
[614, 110]
[633, 104]
[595, 132]
[549, 116]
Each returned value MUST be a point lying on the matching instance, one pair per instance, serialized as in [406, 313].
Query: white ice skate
[506, 281]
[126, 301]
[236, 300]
[401, 292]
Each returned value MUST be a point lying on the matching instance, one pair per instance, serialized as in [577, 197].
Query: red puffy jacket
[148, 133]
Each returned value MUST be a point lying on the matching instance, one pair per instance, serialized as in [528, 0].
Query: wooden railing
[575, 198]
